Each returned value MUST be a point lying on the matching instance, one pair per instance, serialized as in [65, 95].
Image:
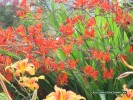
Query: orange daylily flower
[62, 94]
[128, 96]
[30, 82]
[22, 67]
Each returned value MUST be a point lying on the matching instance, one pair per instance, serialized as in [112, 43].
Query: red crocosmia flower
[127, 19]
[61, 1]
[37, 64]
[8, 33]
[124, 57]
[80, 3]
[90, 22]
[106, 25]
[93, 3]
[130, 49]
[106, 57]
[54, 66]
[2, 58]
[23, 9]
[68, 20]
[21, 30]
[39, 10]
[23, 3]
[67, 29]
[89, 34]
[105, 6]
[123, 19]
[9, 76]
[99, 55]
[47, 62]
[62, 79]
[38, 27]
[79, 41]
[8, 60]
[28, 48]
[95, 53]
[67, 49]
[61, 65]
[30, 56]
[94, 74]
[108, 74]
[76, 19]
[110, 33]
[61, 41]
[72, 63]
[37, 16]
[21, 13]
[89, 70]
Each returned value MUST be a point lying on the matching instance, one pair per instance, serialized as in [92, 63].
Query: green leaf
[61, 54]
[15, 57]
[2, 96]
[130, 83]
[103, 97]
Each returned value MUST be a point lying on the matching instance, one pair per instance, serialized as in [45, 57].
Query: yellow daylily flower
[22, 67]
[128, 96]
[62, 94]
[30, 83]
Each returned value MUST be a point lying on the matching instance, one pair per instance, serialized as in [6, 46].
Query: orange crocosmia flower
[108, 74]
[67, 49]
[106, 26]
[21, 30]
[62, 94]
[30, 83]
[90, 22]
[95, 54]
[127, 96]
[62, 78]
[79, 41]
[110, 33]
[37, 16]
[22, 67]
